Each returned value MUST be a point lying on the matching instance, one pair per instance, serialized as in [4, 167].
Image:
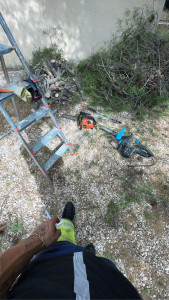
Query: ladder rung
[5, 49]
[45, 140]
[55, 157]
[32, 118]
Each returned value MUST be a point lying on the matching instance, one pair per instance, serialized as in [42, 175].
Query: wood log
[59, 83]
[48, 93]
[52, 87]
[53, 70]
[47, 70]
[56, 95]
[58, 89]
[51, 81]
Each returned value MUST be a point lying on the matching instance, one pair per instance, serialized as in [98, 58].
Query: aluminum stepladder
[41, 112]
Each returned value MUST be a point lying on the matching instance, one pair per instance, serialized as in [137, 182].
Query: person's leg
[66, 225]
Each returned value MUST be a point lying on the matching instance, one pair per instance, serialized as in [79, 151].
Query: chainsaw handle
[143, 151]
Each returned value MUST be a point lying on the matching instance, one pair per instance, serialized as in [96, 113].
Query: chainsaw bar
[73, 118]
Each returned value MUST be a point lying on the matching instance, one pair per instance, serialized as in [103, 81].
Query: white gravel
[91, 178]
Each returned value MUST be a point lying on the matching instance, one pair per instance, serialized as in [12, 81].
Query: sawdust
[95, 175]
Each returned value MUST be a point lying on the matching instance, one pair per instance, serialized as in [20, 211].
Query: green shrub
[41, 55]
[55, 37]
[130, 72]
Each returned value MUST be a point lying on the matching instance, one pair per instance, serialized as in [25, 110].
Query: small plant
[147, 290]
[131, 280]
[77, 174]
[108, 254]
[16, 226]
[69, 171]
[42, 54]
[94, 206]
[148, 215]
[93, 163]
[86, 133]
[111, 216]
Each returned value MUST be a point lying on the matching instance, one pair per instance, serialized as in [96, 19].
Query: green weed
[86, 133]
[147, 290]
[93, 163]
[112, 213]
[77, 174]
[94, 207]
[16, 226]
[42, 54]
[161, 285]
[69, 171]
[131, 280]
[148, 215]
[108, 255]
[128, 195]
[32, 171]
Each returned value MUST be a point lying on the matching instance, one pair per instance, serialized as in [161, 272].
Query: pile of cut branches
[132, 70]
[59, 81]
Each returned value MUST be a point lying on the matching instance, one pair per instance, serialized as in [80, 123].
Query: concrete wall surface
[85, 24]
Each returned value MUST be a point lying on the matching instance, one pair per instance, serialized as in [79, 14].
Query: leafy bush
[55, 36]
[130, 71]
[41, 55]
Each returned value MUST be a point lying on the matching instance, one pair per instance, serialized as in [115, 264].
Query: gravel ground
[136, 236]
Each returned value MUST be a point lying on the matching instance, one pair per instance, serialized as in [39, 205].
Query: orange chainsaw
[84, 120]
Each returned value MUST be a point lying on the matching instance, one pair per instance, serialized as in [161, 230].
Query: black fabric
[53, 278]
[49, 279]
[107, 282]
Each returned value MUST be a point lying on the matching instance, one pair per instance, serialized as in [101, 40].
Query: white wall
[85, 23]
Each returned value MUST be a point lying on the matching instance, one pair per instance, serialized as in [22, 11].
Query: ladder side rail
[8, 80]
[13, 43]
[23, 141]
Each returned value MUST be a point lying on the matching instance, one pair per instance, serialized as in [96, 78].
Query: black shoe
[69, 211]
[91, 248]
